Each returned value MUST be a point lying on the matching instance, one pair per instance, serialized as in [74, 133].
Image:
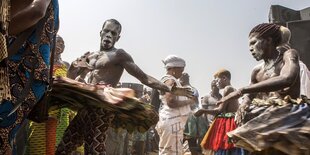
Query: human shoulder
[255, 70]
[292, 51]
[228, 89]
[291, 54]
[121, 51]
[122, 54]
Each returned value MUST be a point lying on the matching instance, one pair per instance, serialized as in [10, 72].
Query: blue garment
[33, 55]
[234, 151]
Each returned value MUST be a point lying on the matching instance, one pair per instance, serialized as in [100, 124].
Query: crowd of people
[49, 106]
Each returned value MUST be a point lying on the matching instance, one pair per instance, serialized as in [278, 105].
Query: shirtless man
[271, 83]
[222, 82]
[105, 67]
[209, 101]
[224, 119]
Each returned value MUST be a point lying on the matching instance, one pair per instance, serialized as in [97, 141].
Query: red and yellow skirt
[216, 139]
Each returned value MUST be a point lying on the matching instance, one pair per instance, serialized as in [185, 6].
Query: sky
[208, 34]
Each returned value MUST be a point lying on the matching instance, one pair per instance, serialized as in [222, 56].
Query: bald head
[114, 21]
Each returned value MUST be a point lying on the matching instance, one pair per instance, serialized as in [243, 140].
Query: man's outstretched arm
[134, 70]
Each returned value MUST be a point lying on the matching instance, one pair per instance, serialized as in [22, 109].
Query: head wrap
[173, 61]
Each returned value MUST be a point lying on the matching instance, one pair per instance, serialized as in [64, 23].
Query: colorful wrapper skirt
[281, 127]
[216, 141]
[99, 107]
[130, 113]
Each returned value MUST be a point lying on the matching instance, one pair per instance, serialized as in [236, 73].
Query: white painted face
[256, 46]
[110, 34]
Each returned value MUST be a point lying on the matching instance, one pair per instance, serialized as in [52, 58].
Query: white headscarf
[173, 61]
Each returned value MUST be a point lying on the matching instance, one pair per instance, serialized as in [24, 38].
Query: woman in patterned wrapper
[26, 60]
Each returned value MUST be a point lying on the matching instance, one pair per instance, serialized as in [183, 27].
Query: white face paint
[256, 46]
[109, 35]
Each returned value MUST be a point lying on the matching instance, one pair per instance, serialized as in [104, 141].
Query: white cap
[173, 61]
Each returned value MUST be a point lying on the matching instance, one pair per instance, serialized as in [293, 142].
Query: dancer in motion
[215, 140]
[271, 119]
[105, 68]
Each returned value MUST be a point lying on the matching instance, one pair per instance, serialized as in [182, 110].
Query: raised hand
[83, 62]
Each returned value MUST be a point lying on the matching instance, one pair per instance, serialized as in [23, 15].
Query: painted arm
[27, 16]
[148, 80]
[287, 77]
[129, 65]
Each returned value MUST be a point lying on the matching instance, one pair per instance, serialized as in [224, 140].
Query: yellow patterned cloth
[60, 70]
[37, 142]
